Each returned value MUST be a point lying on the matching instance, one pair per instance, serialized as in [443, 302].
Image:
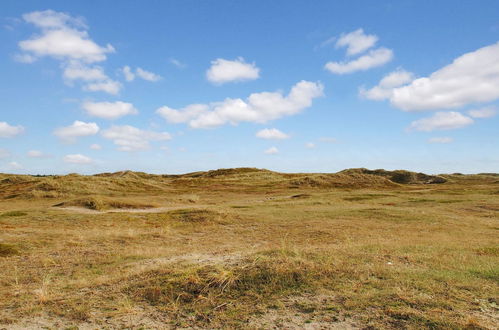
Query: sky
[293, 86]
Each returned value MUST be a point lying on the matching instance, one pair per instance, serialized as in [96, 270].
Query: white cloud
[8, 131]
[440, 140]
[258, 108]
[109, 110]
[271, 151]
[356, 41]
[15, 166]
[95, 146]
[470, 78]
[4, 153]
[441, 121]
[272, 134]
[146, 75]
[384, 89]
[77, 159]
[77, 129]
[24, 58]
[129, 138]
[62, 37]
[127, 72]
[78, 71]
[310, 145]
[110, 86]
[374, 58]
[486, 112]
[223, 71]
[37, 154]
[177, 63]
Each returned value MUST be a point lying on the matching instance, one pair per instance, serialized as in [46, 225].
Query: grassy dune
[248, 248]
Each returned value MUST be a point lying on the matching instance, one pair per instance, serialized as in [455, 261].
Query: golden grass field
[248, 248]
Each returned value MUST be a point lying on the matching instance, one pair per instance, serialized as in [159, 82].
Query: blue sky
[294, 86]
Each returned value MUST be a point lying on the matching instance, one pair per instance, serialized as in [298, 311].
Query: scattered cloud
[374, 58]
[356, 42]
[258, 108]
[15, 166]
[78, 71]
[110, 86]
[271, 151]
[384, 89]
[24, 58]
[95, 146]
[69, 134]
[486, 112]
[271, 134]
[441, 121]
[127, 72]
[129, 138]
[177, 63]
[77, 159]
[37, 154]
[109, 110]
[223, 71]
[470, 78]
[146, 75]
[310, 145]
[440, 140]
[8, 131]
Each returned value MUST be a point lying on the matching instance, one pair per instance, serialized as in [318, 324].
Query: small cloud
[146, 75]
[328, 140]
[373, 59]
[24, 58]
[356, 42]
[37, 154]
[127, 72]
[77, 159]
[440, 140]
[15, 166]
[8, 131]
[441, 121]
[223, 71]
[110, 86]
[486, 112]
[384, 89]
[129, 138]
[95, 146]
[109, 110]
[271, 151]
[77, 129]
[177, 63]
[271, 134]
[310, 145]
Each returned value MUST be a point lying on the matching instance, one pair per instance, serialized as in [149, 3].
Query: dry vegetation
[248, 248]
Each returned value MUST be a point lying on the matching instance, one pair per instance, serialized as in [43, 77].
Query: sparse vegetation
[249, 248]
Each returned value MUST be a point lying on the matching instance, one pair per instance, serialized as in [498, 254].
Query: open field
[247, 248]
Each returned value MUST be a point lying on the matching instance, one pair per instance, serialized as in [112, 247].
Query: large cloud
[257, 108]
[129, 138]
[470, 78]
[223, 71]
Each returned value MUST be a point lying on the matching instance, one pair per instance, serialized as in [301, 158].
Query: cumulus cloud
[376, 57]
[37, 154]
[147, 75]
[8, 131]
[62, 37]
[78, 129]
[223, 71]
[486, 112]
[258, 107]
[442, 140]
[470, 78]
[356, 42]
[109, 110]
[271, 134]
[129, 138]
[384, 89]
[441, 121]
[65, 38]
[271, 151]
[77, 159]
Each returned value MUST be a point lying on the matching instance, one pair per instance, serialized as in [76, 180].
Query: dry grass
[248, 248]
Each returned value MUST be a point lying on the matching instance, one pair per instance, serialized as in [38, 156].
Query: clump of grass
[198, 216]
[13, 214]
[7, 250]
[101, 204]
